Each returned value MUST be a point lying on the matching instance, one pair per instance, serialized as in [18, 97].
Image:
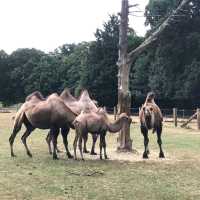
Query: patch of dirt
[135, 156]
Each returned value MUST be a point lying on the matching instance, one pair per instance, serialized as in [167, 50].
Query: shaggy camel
[151, 118]
[96, 123]
[37, 112]
[83, 103]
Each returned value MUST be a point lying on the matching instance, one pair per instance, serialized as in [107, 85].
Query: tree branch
[132, 56]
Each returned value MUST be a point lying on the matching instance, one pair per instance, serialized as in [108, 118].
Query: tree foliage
[170, 67]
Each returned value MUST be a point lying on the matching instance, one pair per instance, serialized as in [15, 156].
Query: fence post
[175, 116]
[115, 113]
[198, 118]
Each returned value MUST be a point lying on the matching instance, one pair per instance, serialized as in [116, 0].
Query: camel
[36, 97]
[83, 103]
[96, 123]
[151, 118]
[37, 112]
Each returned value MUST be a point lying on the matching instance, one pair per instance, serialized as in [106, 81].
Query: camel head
[150, 97]
[125, 118]
[148, 111]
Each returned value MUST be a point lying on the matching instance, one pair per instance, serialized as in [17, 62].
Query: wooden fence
[177, 116]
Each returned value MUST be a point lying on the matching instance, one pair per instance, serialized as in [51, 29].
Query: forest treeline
[170, 67]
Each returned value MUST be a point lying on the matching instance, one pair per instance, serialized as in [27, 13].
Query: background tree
[168, 66]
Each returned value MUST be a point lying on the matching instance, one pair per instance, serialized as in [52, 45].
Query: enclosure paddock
[123, 176]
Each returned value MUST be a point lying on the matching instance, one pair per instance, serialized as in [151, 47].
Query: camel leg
[12, 139]
[24, 137]
[94, 139]
[64, 132]
[101, 145]
[48, 140]
[85, 138]
[54, 132]
[104, 146]
[80, 147]
[75, 143]
[146, 141]
[159, 141]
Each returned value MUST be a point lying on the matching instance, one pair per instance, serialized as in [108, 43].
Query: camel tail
[17, 126]
[19, 119]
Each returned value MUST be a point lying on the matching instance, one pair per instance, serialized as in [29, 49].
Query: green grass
[126, 175]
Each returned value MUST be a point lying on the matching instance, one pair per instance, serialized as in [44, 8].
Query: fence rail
[174, 115]
[170, 115]
[167, 113]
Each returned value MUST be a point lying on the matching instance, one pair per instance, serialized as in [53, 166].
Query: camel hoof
[86, 151]
[83, 159]
[145, 156]
[55, 157]
[161, 155]
[29, 154]
[93, 153]
[69, 156]
[59, 151]
[106, 157]
[13, 155]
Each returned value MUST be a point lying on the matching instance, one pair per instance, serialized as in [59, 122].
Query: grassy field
[125, 175]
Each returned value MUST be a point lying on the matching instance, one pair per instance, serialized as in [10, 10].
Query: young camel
[96, 123]
[50, 113]
[151, 118]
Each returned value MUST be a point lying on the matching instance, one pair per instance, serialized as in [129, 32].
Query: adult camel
[37, 112]
[96, 123]
[83, 103]
[151, 118]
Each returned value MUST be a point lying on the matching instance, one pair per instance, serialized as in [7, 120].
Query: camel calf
[96, 123]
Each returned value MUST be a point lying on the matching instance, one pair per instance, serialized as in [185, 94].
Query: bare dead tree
[125, 61]
[124, 97]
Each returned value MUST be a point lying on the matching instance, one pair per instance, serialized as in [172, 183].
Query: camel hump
[86, 101]
[36, 94]
[84, 94]
[67, 96]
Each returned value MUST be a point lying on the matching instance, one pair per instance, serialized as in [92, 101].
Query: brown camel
[37, 112]
[96, 123]
[151, 118]
[36, 97]
[83, 103]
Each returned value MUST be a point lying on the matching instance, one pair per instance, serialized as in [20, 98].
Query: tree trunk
[124, 97]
